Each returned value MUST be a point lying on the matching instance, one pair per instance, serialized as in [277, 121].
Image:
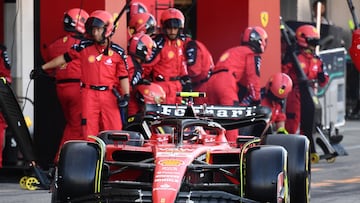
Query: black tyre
[76, 171]
[298, 148]
[263, 165]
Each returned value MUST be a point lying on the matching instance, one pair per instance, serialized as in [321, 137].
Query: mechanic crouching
[277, 89]
[238, 70]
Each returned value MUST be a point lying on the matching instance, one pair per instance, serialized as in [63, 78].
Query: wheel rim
[31, 183]
[22, 182]
[315, 158]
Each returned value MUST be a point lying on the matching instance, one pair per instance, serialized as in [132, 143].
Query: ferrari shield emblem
[264, 18]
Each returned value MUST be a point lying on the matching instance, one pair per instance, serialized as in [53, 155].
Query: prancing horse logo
[264, 18]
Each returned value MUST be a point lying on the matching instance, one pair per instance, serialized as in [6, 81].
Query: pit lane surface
[337, 182]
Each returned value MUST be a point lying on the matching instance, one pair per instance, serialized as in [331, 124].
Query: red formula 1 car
[185, 157]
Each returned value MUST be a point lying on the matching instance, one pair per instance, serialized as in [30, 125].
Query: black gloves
[321, 77]
[124, 101]
[37, 72]
[191, 52]
[248, 101]
[144, 82]
[186, 83]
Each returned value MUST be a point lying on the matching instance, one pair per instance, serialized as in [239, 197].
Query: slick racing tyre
[77, 172]
[264, 166]
[298, 148]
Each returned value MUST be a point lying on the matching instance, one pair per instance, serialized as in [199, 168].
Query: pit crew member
[5, 72]
[68, 75]
[307, 39]
[235, 79]
[104, 66]
[200, 64]
[277, 89]
[167, 66]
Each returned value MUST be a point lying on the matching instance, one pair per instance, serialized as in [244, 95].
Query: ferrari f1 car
[182, 155]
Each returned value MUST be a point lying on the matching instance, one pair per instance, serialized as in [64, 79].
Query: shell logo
[302, 65]
[171, 54]
[111, 53]
[171, 162]
[224, 57]
[91, 59]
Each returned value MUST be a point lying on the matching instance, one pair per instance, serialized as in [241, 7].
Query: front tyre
[77, 171]
[298, 148]
[266, 174]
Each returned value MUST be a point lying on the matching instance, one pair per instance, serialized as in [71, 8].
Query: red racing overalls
[237, 67]
[135, 75]
[5, 71]
[199, 63]
[313, 69]
[168, 66]
[68, 88]
[102, 68]
[278, 114]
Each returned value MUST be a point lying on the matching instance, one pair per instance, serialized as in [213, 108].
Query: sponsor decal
[171, 162]
[159, 176]
[171, 54]
[164, 186]
[91, 59]
[264, 16]
[108, 61]
[176, 150]
[168, 172]
[220, 112]
[178, 43]
[281, 91]
[98, 58]
[224, 56]
[169, 168]
[65, 39]
[166, 180]
[201, 157]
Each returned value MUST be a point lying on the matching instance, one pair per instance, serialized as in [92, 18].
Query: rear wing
[230, 117]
